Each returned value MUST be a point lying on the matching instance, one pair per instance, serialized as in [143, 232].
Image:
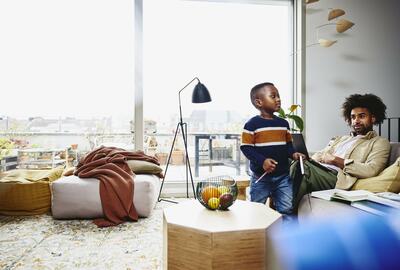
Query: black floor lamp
[200, 95]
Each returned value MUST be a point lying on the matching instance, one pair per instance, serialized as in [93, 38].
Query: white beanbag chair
[73, 197]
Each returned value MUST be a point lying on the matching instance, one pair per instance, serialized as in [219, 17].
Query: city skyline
[198, 121]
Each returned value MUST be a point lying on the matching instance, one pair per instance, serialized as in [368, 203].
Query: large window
[66, 70]
[230, 46]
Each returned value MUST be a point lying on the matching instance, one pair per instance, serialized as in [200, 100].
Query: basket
[218, 192]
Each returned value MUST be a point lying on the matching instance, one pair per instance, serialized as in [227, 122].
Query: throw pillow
[141, 166]
[68, 171]
[387, 180]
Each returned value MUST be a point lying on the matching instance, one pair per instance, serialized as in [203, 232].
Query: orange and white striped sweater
[267, 138]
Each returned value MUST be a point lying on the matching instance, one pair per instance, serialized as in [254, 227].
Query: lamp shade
[343, 25]
[326, 42]
[334, 13]
[200, 94]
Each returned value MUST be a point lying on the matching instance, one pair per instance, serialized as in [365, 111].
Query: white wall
[366, 59]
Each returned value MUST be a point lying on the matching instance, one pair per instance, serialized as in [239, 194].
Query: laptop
[300, 146]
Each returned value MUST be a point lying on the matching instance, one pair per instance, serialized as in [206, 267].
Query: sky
[66, 58]
[229, 46]
[76, 58]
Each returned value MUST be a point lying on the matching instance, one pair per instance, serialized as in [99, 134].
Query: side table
[197, 238]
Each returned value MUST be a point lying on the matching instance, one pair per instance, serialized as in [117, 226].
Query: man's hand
[269, 165]
[333, 160]
[297, 155]
[328, 158]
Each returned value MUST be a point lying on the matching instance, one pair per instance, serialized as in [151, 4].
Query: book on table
[385, 201]
[361, 199]
[342, 195]
[389, 195]
[351, 195]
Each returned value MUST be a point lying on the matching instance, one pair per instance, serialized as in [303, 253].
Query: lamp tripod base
[183, 128]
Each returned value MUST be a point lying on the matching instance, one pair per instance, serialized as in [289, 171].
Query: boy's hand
[297, 155]
[269, 165]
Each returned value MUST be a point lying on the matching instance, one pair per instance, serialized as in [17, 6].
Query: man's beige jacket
[366, 158]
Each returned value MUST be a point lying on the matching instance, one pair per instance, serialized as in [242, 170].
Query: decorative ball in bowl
[218, 192]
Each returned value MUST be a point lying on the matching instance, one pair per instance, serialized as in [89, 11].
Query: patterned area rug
[40, 242]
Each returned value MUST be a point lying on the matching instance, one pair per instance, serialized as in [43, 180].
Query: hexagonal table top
[242, 215]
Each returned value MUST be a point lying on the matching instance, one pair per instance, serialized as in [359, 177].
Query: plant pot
[162, 158]
[177, 157]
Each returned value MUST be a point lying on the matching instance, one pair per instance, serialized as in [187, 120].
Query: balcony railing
[206, 150]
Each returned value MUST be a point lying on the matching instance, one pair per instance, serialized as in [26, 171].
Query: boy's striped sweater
[267, 138]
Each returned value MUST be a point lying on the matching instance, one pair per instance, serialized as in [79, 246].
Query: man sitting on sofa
[361, 154]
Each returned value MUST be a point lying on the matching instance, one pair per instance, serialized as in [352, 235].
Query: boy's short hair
[254, 91]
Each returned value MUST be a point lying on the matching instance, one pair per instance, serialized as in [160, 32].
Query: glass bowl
[218, 192]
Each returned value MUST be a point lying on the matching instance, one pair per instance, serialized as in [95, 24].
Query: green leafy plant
[298, 121]
[5, 147]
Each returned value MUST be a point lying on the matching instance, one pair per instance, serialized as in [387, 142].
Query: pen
[264, 174]
[260, 177]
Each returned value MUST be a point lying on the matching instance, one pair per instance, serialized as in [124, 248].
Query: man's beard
[361, 130]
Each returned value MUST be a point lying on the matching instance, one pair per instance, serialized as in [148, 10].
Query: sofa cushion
[394, 152]
[74, 197]
[387, 180]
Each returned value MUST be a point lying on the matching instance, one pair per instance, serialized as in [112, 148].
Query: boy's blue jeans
[279, 188]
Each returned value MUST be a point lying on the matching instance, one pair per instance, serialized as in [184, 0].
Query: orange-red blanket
[108, 164]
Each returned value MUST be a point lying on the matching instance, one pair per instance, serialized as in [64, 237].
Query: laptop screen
[299, 145]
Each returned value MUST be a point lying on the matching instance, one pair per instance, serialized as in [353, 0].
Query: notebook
[300, 146]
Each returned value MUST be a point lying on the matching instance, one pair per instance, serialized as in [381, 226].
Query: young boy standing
[267, 143]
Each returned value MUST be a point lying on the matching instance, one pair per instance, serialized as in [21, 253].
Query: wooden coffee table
[198, 238]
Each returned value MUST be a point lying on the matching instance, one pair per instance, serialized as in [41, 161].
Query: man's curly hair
[371, 102]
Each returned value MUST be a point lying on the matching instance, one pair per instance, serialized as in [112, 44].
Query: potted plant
[297, 120]
[8, 161]
[6, 146]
